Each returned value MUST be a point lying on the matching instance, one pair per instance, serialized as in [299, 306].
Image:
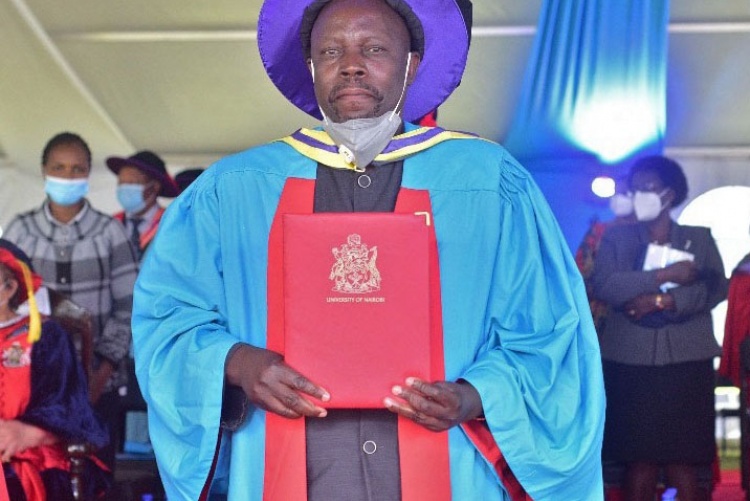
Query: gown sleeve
[539, 373]
[59, 400]
[181, 338]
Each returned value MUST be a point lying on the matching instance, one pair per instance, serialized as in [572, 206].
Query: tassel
[35, 320]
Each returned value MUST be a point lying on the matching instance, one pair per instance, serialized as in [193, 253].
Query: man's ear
[413, 66]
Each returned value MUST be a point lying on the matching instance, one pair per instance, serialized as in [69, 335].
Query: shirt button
[63, 280]
[369, 447]
[364, 181]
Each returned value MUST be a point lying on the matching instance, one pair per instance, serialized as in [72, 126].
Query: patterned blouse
[89, 260]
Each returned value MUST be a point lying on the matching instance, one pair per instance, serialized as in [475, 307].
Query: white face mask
[621, 205]
[362, 139]
[647, 205]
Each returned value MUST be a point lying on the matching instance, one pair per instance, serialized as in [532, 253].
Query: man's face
[133, 175]
[359, 51]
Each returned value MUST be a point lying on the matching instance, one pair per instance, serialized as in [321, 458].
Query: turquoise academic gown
[516, 321]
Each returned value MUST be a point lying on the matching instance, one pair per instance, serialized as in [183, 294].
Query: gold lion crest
[16, 356]
[355, 270]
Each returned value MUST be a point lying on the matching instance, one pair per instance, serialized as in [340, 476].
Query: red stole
[424, 459]
[15, 373]
[3, 489]
[15, 381]
[150, 233]
[737, 327]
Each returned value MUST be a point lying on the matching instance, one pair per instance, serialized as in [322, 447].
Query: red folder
[357, 302]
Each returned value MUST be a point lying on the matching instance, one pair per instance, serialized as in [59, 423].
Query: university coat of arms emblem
[16, 356]
[355, 270]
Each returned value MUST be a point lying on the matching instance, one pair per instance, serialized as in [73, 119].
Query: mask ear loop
[663, 205]
[400, 98]
[403, 88]
[312, 73]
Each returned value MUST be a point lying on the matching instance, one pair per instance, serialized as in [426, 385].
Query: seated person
[44, 403]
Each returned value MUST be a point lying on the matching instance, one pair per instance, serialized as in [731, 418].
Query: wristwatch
[659, 302]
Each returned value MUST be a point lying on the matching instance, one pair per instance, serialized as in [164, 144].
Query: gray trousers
[352, 455]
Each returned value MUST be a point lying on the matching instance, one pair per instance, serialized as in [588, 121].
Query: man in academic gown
[518, 411]
[141, 179]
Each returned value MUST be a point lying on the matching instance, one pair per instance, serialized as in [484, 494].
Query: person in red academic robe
[737, 326]
[43, 394]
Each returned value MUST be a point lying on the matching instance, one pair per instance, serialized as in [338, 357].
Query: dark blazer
[680, 335]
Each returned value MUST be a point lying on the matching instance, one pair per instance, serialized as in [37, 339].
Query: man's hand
[17, 436]
[436, 406]
[681, 272]
[645, 304]
[271, 384]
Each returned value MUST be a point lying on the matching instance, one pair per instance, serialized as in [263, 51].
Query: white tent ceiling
[185, 80]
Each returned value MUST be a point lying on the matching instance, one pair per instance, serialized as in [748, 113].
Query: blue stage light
[616, 125]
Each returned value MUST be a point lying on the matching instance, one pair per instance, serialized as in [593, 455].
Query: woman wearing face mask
[85, 255]
[658, 344]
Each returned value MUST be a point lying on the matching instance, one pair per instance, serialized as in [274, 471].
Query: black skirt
[660, 414]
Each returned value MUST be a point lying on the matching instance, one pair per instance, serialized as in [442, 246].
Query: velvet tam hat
[445, 49]
[151, 164]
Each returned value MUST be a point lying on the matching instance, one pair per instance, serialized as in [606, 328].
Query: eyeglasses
[648, 187]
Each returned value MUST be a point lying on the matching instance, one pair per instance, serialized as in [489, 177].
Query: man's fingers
[423, 387]
[7, 454]
[300, 405]
[433, 392]
[278, 407]
[420, 403]
[404, 409]
[291, 405]
[280, 389]
[271, 384]
[301, 383]
[285, 375]
[436, 406]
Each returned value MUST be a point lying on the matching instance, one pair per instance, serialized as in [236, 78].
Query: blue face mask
[64, 191]
[130, 196]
